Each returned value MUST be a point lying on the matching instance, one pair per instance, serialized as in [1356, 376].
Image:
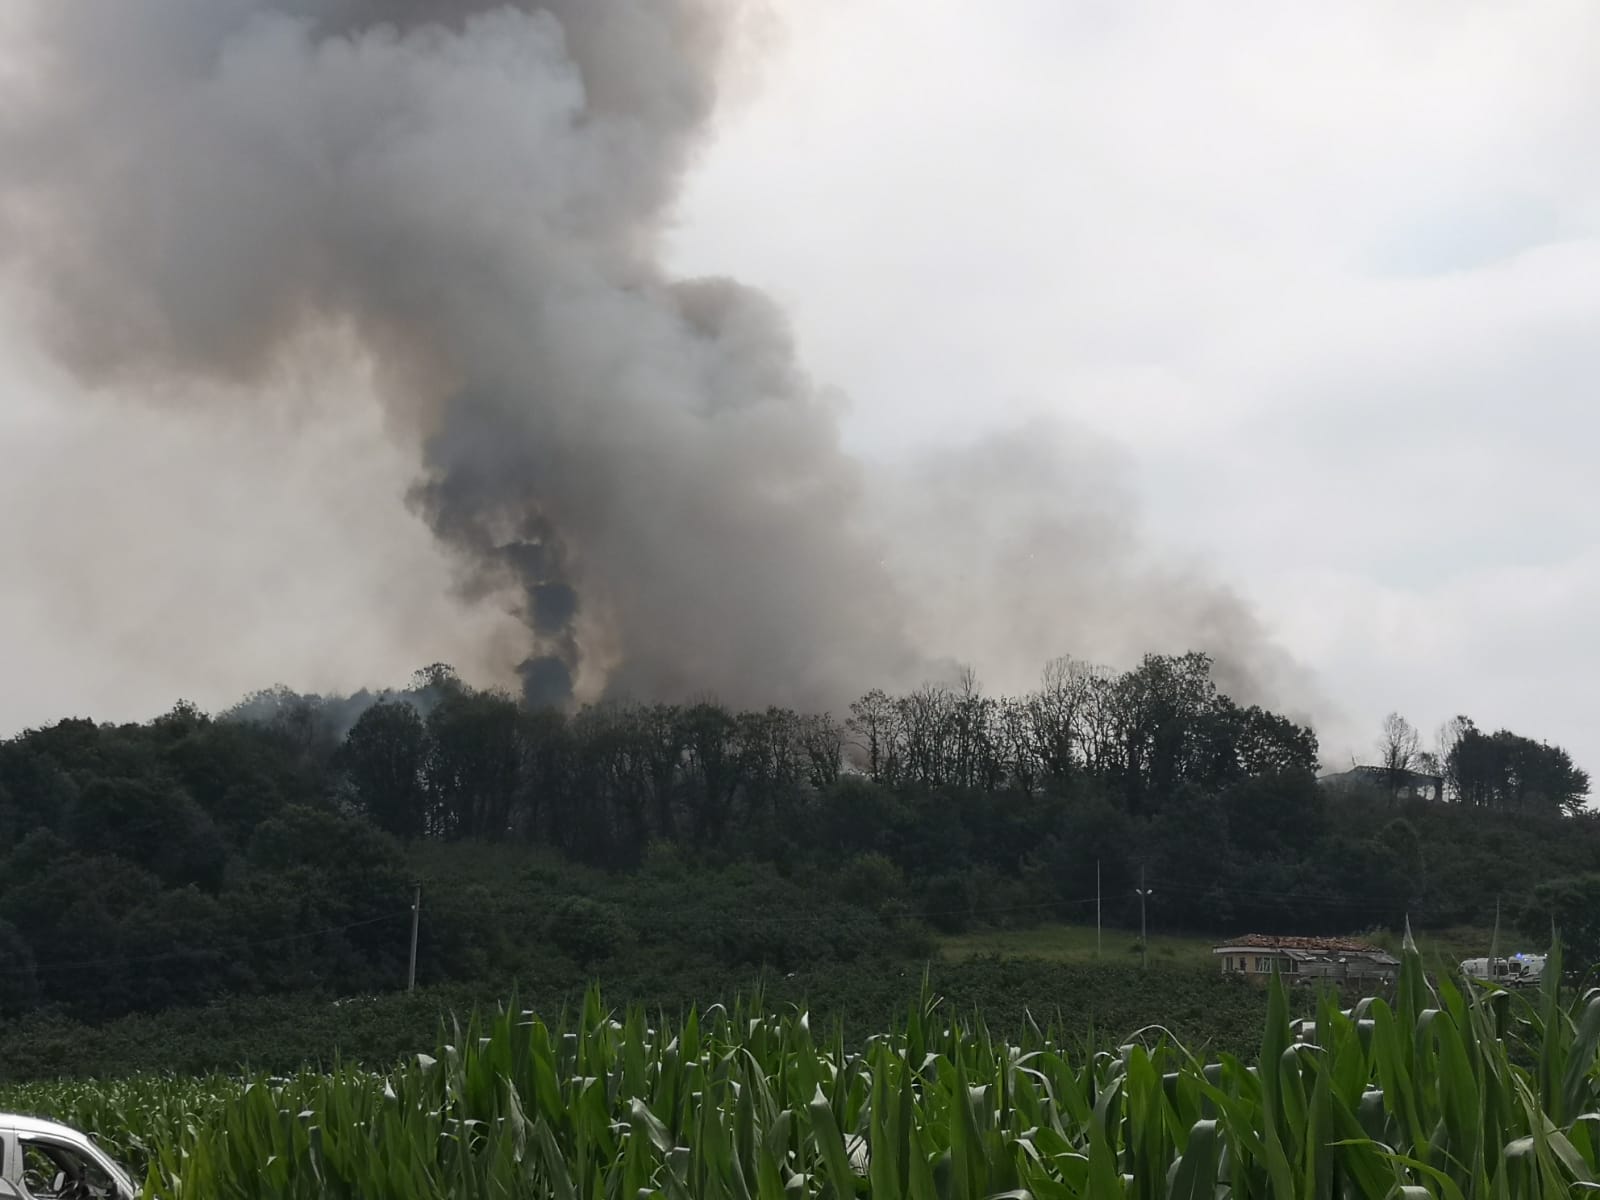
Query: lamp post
[1144, 937]
[416, 915]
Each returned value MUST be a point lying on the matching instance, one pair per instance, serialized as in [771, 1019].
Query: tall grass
[1432, 1093]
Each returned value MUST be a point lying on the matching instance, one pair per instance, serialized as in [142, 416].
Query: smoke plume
[472, 193]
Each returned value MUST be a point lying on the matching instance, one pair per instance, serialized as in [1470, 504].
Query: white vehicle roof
[40, 1128]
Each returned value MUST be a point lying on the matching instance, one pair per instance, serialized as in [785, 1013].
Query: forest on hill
[273, 848]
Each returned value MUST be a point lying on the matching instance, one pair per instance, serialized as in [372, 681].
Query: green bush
[947, 902]
[871, 881]
[585, 930]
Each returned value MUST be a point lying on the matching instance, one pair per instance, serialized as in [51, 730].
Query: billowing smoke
[472, 192]
[1031, 539]
[475, 190]
[328, 719]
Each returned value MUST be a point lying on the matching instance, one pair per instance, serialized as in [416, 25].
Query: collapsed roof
[1305, 947]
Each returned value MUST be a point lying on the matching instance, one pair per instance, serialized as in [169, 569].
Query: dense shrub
[585, 930]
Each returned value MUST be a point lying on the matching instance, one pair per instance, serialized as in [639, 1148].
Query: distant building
[1408, 785]
[1307, 959]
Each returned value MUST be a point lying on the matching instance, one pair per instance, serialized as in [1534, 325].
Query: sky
[1321, 282]
[1327, 279]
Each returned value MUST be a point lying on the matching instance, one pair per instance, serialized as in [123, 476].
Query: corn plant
[1434, 1092]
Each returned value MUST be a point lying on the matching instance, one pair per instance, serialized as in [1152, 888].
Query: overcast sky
[1325, 280]
[1329, 277]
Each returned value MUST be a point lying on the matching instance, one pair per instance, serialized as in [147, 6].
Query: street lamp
[1144, 937]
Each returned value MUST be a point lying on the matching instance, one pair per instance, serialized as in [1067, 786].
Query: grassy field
[1075, 944]
[1440, 949]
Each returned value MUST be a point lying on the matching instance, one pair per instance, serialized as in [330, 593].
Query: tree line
[603, 783]
[272, 847]
[1502, 771]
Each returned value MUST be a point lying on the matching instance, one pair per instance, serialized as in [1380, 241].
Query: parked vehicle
[41, 1160]
[1519, 970]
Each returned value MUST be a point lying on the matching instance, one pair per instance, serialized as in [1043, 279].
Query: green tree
[1506, 771]
[585, 930]
[871, 881]
[1569, 906]
[153, 823]
[385, 755]
[475, 764]
[19, 985]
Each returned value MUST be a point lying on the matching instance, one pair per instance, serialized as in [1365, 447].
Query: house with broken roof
[1308, 959]
[1401, 784]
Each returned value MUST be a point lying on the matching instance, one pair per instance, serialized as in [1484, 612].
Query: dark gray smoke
[474, 189]
[472, 192]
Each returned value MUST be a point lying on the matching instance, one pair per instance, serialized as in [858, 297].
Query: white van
[1520, 970]
[41, 1160]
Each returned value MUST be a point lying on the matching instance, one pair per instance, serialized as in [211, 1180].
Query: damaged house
[1308, 959]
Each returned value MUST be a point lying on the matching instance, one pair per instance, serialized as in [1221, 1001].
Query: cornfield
[1435, 1093]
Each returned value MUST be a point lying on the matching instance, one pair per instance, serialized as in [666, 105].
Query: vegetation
[272, 850]
[1437, 1094]
[282, 1033]
[1505, 771]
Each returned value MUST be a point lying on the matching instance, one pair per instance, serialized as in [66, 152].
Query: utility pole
[1097, 908]
[1494, 939]
[1144, 936]
[416, 913]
